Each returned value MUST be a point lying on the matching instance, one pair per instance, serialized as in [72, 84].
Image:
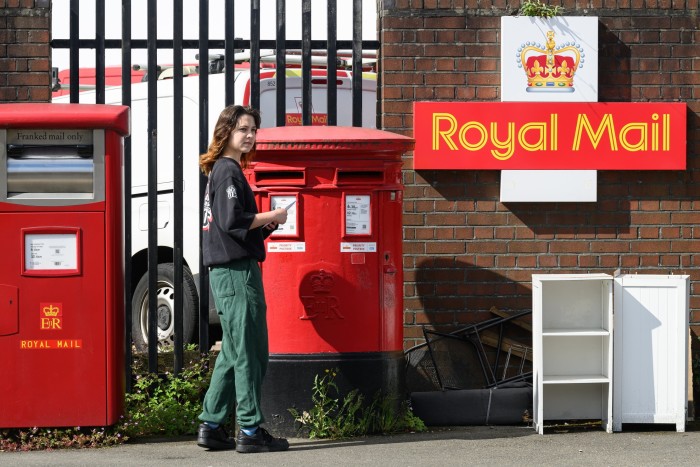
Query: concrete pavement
[480, 446]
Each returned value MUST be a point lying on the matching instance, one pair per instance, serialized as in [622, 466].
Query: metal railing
[203, 44]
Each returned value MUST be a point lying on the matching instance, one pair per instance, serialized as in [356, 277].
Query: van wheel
[165, 295]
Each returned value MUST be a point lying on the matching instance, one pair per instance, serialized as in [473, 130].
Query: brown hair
[227, 122]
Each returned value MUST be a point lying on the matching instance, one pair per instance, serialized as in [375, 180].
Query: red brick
[466, 93]
[28, 79]
[649, 232]
[446, 22]
[486, 94]
[516, 247]
[464, 233]
[650, 246]
[587, 261]
[444, 50]
[507, 261]
[481, 247]
[684, 218]
[444, 79]
[487, 218]
[547, 262]
[670, 232]
[649, 260]
[609, 261]
[8, 94]
[569, 247]
[670, 261]
[28, 22]
[482, 233]
[568, 261]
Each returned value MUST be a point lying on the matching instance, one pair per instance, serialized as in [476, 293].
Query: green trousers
[241, 365]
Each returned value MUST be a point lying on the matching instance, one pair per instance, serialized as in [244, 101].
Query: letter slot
[49, 169]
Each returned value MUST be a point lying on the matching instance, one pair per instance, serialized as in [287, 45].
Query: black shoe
[261, 441]
[215, 439]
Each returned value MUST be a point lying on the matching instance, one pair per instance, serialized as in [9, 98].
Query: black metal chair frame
[471, 335]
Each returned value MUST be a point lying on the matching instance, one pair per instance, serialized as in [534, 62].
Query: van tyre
[165, 309]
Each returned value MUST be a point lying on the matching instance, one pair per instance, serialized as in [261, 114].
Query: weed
[537, 8]
[167, 405]
[329, 418]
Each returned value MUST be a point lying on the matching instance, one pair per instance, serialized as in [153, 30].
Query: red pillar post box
[333, 274]
[61, 264]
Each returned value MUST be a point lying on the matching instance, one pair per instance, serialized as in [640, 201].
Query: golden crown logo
[548, 68]
[51, 310]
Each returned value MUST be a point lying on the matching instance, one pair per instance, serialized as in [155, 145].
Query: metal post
[100, 52]
[306, 103]
[281, 64]
[178, 184]
[74, 73]
[230, 52]
[332, 98]
[152, 188]
[203, 143]
[357, 63]
[126, 100]
[255, 54]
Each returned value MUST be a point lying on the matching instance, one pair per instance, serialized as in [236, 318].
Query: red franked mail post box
[333, 273]
[61, 264]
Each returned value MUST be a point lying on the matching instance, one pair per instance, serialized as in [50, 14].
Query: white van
[191, 174]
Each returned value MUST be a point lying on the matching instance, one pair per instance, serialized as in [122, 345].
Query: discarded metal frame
[472, 334]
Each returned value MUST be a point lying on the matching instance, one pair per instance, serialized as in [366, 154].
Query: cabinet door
[650, 352]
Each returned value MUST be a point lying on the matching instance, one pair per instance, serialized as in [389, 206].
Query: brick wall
[25, 71]
[464, 251]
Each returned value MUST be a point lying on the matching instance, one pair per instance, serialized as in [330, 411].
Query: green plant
[167, 404]
[159, 405]
[329, 418]
[29, 439]
[537, 8]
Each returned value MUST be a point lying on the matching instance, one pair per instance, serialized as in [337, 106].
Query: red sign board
[549, 136]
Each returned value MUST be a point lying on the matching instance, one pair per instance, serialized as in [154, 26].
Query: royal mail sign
[549, 136]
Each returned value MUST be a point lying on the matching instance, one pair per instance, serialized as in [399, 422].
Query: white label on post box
[50, 251]
[289, 228]
[357, 215]
[286, 247]
[353, 247]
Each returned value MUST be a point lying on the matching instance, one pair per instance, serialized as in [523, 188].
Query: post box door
[53, 364]
[324, 297]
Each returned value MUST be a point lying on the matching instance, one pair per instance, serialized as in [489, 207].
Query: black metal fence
[306, 47]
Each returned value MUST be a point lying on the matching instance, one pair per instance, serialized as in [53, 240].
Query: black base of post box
[289, 382]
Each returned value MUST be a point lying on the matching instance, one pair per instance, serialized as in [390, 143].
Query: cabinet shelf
[575, 379]
[572, 332]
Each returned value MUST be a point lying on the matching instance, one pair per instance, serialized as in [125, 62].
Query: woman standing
[232, 246]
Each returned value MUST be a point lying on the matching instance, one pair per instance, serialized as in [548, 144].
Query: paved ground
[480, 446]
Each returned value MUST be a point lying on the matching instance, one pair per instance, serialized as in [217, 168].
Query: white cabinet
[650, 382]
[572, 348]
[575, 349]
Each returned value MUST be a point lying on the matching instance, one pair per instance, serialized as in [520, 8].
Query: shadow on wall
[456, 296]
[614, 75]
[607, 219]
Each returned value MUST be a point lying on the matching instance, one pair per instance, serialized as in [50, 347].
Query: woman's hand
[280, 216]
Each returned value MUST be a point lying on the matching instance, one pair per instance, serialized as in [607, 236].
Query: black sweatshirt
[229, 209]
